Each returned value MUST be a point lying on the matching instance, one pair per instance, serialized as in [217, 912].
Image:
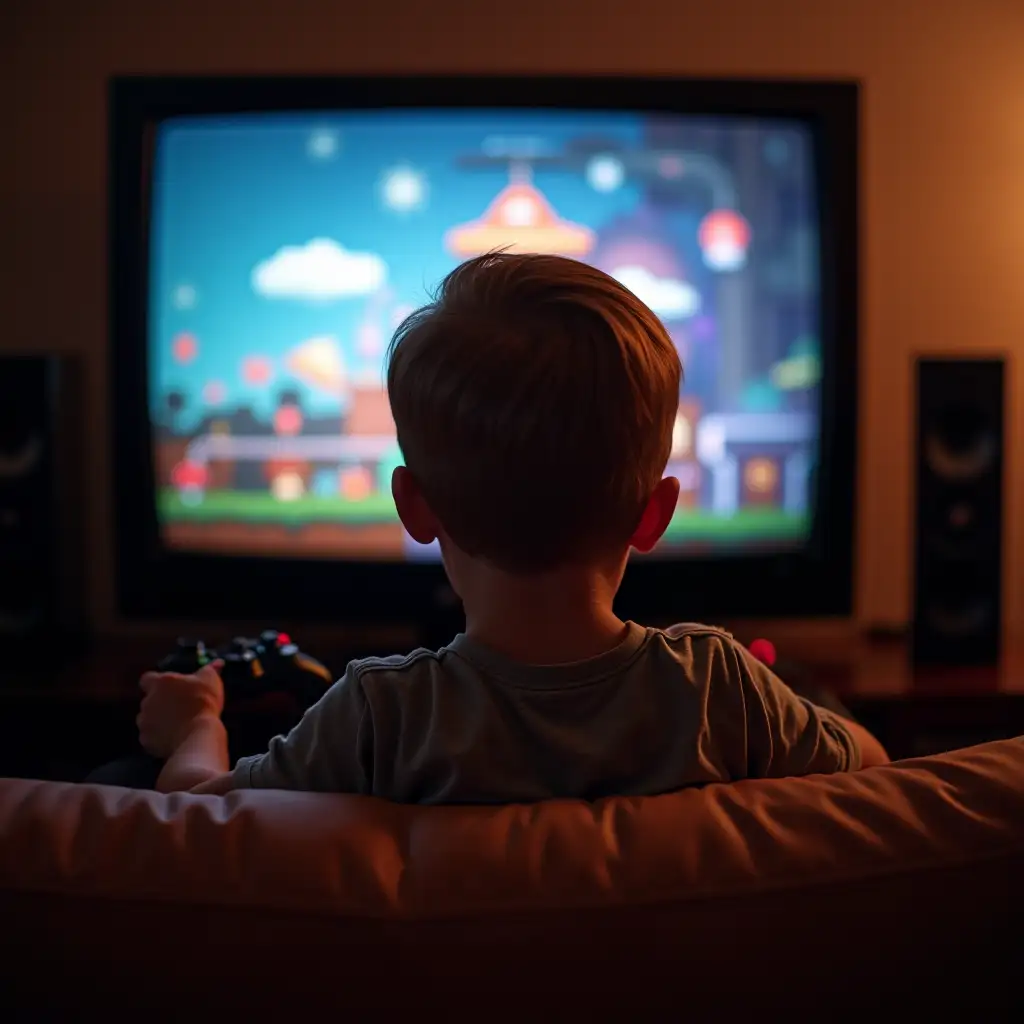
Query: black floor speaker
[959, 511]
[41, 595]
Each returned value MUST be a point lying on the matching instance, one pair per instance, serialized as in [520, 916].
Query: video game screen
[286, 248]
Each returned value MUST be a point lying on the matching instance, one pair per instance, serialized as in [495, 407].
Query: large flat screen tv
[268, 234]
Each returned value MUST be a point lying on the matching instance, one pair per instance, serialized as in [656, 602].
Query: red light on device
[763, 650]
[282, 639]
[725, 228]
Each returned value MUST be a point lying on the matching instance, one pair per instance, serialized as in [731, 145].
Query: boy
[534, 402]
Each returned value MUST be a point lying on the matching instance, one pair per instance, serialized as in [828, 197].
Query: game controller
[256, 667]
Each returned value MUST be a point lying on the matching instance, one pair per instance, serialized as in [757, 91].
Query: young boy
[534, 402]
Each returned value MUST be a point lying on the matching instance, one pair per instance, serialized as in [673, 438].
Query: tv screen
[268, 234]
[286, 247]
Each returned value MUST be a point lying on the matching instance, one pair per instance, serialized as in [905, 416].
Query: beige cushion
[732, 897]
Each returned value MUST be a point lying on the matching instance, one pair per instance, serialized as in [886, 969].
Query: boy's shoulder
[696, 635]
[681, 630]
[421, 662]
[397, 665]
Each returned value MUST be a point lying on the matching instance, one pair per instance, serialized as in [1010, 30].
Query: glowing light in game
[605, 173]
[356, 483]
[257, 370]
[724, 237]
[288, 420]
[323, 144]
[797, 373]
[403, 189]
[319, 363]
[669, 298]
[682, 438]
[761, 476]
[214, 392]
[800, 370]
[320, 270]
[711, 441]
[184, 297]
[184, 348]
[520, 219]
[287, 486]
[521, 212]
[190, 478]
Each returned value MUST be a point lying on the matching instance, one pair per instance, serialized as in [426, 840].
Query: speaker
[959, 511]
[39, 520]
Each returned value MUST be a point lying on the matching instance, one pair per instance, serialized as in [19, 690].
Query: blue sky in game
[237, 202]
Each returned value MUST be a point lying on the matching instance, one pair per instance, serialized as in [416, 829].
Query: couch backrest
[744, 895]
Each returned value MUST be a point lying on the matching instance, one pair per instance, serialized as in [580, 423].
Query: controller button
[309, 665]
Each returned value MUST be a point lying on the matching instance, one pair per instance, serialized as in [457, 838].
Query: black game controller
[255, 668]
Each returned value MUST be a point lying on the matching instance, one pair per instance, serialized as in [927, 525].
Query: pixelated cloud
[320, 270]
[666, 296]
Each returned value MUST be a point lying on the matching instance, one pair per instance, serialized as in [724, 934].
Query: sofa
[896, 890]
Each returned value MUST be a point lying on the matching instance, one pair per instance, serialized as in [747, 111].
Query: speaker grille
[958, 563]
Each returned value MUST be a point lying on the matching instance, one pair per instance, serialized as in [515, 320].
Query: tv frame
[153, 582]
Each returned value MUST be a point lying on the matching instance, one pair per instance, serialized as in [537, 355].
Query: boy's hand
[172, 702]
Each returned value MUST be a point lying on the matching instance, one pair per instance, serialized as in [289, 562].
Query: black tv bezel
[155, 582]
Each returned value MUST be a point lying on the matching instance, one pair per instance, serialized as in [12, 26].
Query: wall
[943, 172]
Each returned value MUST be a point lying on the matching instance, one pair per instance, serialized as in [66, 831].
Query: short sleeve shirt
[662, 710]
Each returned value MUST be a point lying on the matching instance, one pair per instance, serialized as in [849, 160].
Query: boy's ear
[657, 515]
[419, 522]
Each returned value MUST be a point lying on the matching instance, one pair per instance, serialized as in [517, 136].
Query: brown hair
[534, 400]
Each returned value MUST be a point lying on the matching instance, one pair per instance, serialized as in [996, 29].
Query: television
[268, 234]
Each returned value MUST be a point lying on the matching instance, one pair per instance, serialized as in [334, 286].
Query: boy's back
[662, 710]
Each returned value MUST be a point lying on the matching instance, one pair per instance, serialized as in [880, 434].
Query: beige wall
[943, 172]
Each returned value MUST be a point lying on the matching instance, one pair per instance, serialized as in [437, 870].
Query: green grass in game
[697, 525]
[256, 507]
[249, 507]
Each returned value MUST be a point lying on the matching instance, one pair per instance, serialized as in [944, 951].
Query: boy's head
[534, 401]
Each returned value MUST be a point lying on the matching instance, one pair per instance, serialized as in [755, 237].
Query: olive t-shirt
[662, 710]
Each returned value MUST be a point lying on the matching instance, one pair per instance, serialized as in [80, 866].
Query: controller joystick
[254, 668]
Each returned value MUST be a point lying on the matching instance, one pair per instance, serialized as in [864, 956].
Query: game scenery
[286, 249]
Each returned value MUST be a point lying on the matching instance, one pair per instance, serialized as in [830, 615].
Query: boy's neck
[552, 620]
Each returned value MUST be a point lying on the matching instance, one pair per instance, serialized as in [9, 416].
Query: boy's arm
[330, 750]
[789, 735]
[872, 753]
[200, 758]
